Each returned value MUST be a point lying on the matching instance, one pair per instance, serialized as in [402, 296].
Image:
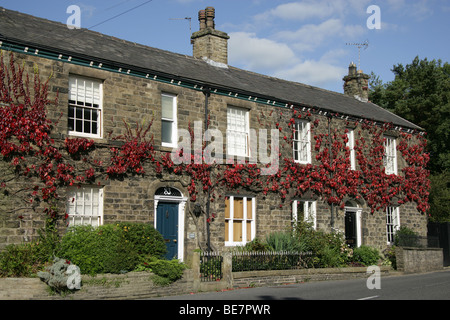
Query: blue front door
[167, 225]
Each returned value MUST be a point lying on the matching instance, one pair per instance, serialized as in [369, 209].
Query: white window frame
[244, 220]
[238, 133]
[302, 142]
[78, 100]
[392, 223]
[173, 121]
[309, 211]
[87, 216]
[351, 146]
[390, 155]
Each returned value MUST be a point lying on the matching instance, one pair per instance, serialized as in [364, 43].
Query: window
[351, 146]
[302, 139]
[304, 211]
[392, 223]
[85, 107]
[85, 206]
[168, 120]
[390, 155]
[237, 132]
[239, 220]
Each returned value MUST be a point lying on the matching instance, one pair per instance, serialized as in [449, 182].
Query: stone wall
[411, 260]
[133, 285]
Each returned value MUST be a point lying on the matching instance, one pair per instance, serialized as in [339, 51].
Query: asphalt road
[427, 286]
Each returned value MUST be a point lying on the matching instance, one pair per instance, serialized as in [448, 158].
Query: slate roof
[16, 27]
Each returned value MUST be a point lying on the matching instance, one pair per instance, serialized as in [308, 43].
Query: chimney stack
[208, 43]
[356, 84]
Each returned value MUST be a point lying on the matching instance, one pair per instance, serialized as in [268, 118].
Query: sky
[310, 42]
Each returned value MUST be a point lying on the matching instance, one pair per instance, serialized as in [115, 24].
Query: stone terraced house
[104, 82]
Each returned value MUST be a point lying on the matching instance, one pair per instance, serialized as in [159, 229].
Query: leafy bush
[255, 245]
[111, 248]
[165, 271]
[170, 269]
[366, 255]
[405, 237]
[328, 249]
[98, 250]
[21, 260]
[24, 260]
[144, 238]
[283, 241]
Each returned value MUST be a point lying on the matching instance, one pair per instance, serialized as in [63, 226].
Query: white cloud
[254, 53]
[302, 41]
[311, 36]
[277, 59]
[298, 11]
[312, 72]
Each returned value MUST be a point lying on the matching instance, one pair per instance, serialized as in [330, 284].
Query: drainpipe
[207, 93]
[331, 173]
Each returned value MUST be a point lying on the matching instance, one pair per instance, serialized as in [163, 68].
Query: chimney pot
[210, 15]
[202, 19]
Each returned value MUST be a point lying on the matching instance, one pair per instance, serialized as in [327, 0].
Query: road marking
[368, 298]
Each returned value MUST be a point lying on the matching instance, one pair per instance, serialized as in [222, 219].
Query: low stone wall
[133, 285]
[412, 260]
[138, 285]
[277, 277]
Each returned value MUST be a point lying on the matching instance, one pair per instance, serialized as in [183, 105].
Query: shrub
[390, 257]
[366, 255]
[284, 241]
[20, 260]
[144, 238]
[165, 271]
[405, 237]
[24, 260]
[98, 250]
[328, 249]
[170, 269]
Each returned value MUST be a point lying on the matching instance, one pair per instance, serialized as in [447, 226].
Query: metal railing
[211, 266]
[270, 260]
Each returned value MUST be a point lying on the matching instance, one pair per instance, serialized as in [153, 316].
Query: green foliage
[145, 239]
[420, 93]
[165, 271]
[405, 237]
[98, 250]
[329, 249]
[283, 241]
[366, 255]
[111, 248]
[440, 197]
[25, 260]
[389, 254]
[20, 260]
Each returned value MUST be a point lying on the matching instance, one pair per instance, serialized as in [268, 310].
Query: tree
[420, 93]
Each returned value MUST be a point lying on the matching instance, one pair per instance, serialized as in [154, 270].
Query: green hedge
[110, 248]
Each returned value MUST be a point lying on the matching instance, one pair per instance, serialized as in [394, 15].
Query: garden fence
[270, 260]
[211, 266]
[211, 262]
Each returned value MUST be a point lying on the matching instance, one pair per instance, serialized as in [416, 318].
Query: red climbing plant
[30, 152]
